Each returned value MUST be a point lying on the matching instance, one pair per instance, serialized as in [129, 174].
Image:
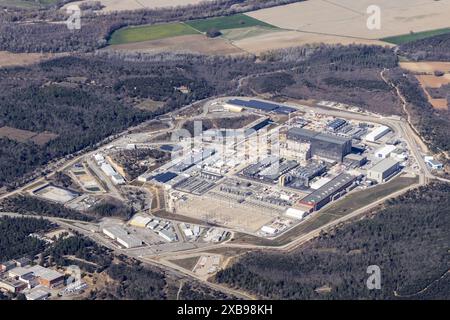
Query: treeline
[15, 241]
[29, 205]
[89, 255]
[433, 124]
[408, 239]
[346, 74]
[45, 30]
[112, 208]
[435, 48]
[46, 98]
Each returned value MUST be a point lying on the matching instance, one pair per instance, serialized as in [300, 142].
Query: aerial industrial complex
[263, 178]
[191, 191]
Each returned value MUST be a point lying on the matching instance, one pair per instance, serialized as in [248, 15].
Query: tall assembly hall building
[322, 144]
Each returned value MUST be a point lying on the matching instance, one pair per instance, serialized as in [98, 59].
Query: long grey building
[322, 145]
[329, 192]
[383, 170]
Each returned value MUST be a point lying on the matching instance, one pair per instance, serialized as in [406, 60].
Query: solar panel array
[261, 105]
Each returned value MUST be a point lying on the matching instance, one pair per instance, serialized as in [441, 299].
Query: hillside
[408, 239]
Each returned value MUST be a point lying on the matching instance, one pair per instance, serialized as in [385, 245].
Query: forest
[407, 238]
[129, 279]
[433, 124]
[84, 99]
[15, 241]
[435, 48]
[34, 206]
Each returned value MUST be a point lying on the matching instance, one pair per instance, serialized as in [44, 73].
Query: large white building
[385, 151]
[383, 170]
[377, 133]
[122, 237]
[295, 213]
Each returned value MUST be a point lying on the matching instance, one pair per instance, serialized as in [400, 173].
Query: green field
[152, 32]
[167, 30]
[227, 22]
[401, 39]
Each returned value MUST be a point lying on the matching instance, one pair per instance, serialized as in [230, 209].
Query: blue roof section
[261, 105]
[165, 177]
[285, 110]
[169, 147]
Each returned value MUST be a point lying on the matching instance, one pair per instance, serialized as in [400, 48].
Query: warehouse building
[433, 164]
[37, 294]
[383, 170]
[295, 213]
[122, 237]
[8, 265]
[140, 221]
[322, 145]
[329, 192]
[47, 277]
[377, 133]
[167, 235]
[12, 285]
[385, 151]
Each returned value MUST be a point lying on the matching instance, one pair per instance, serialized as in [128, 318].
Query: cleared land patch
[152, 32]
[286, 39]
[196, 43]
[20, 135]
[8, 59]
[348, 18]
[244, 33]
[425, 74]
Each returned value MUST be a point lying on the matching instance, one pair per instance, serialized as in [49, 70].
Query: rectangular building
[377, 133]
[322, 145]
[47, 277]
[383, 170]
[122, 237]
[329, 192]
[385, 151]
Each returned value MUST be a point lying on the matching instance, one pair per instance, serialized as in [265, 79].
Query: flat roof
[384, 165]
[329, 188]
[309, 134]
[45, 273]
[165, 177]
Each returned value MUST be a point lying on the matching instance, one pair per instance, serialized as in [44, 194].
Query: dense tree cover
[40, 33]
[15, 241]
[408, 239]
[190, 291]
[45, 98]
[435, 48]
[135, 282]
[112, 208]
[96, 258]
[433, 124]
[346, 74]
[29, 205]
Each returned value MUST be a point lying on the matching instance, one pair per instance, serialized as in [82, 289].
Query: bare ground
[189, 43]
